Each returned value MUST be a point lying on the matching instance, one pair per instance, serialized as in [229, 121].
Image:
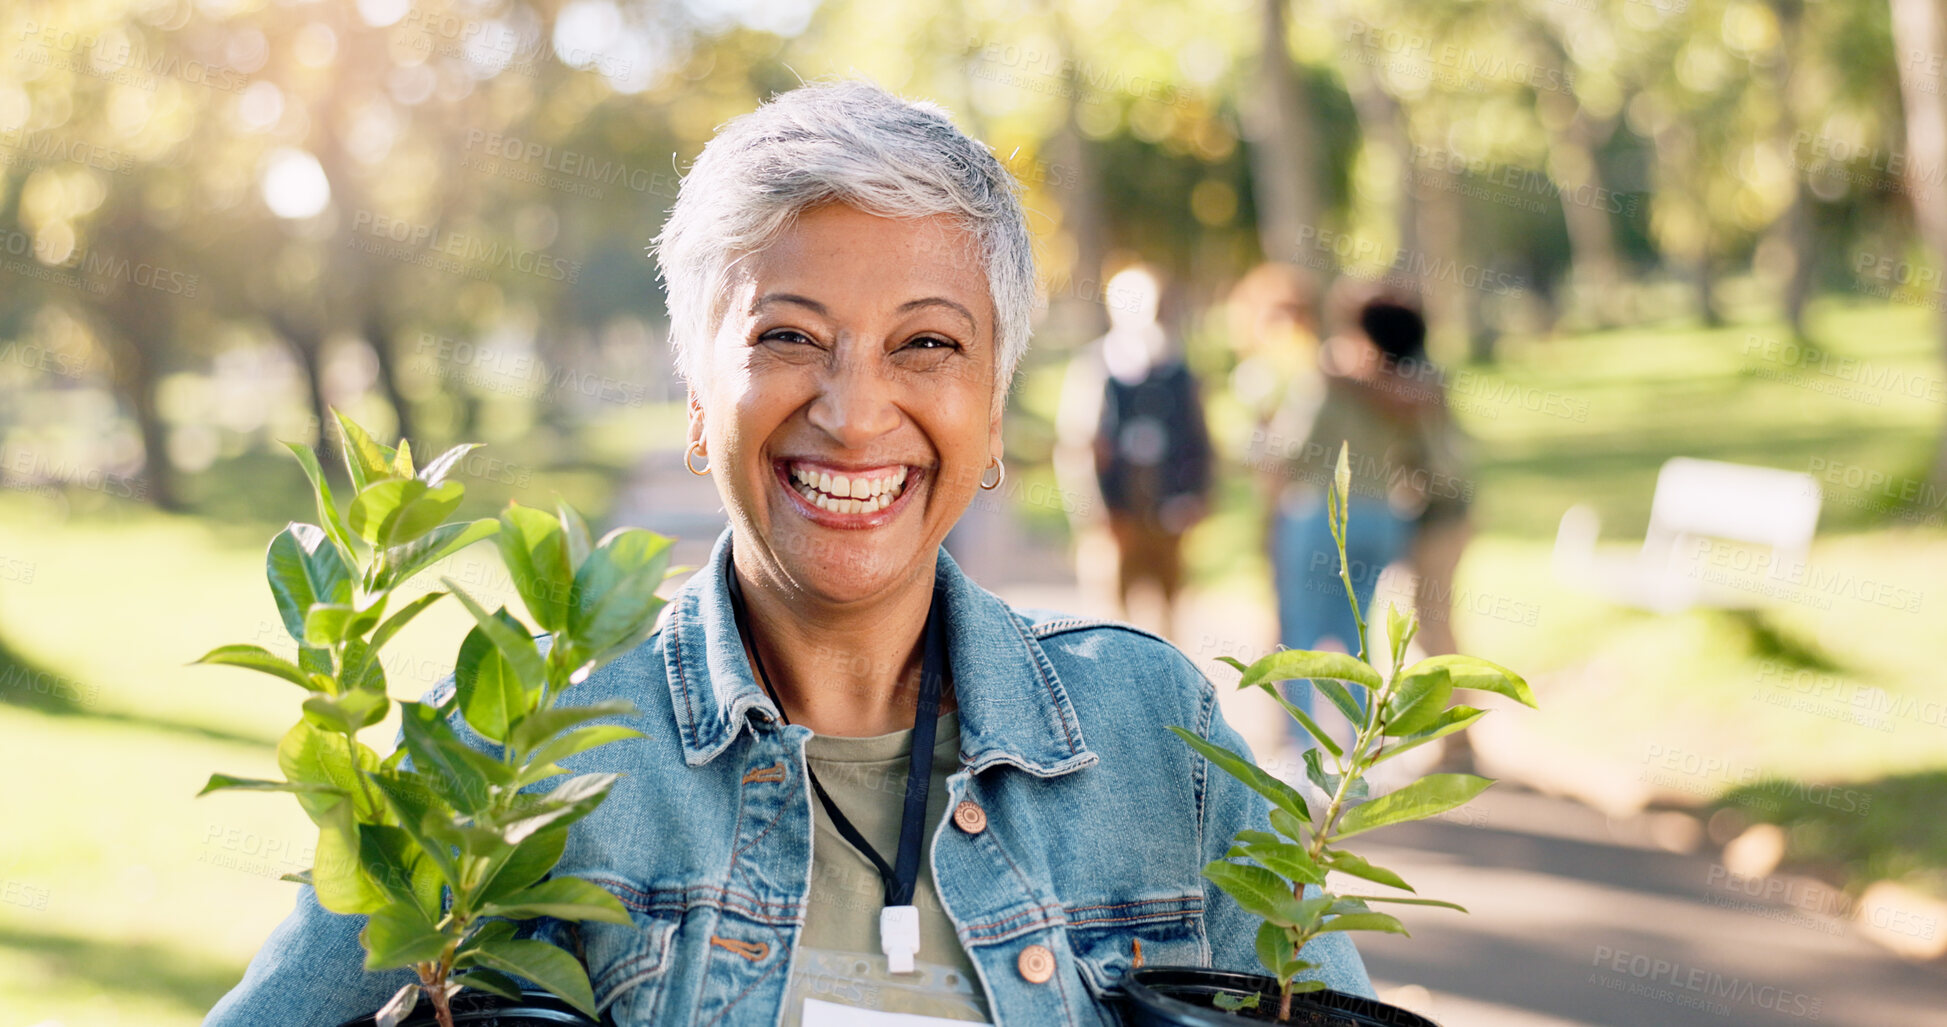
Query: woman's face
[848, 402]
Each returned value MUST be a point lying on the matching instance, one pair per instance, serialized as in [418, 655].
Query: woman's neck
[850, 670]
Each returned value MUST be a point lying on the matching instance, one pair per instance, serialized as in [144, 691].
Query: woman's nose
[854, 404]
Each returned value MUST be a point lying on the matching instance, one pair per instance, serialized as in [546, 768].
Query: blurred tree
[1920, 26]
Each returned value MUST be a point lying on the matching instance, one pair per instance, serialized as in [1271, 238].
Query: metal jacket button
[1037, 964]
[969, 817]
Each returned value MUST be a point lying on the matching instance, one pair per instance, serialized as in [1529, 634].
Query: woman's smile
[847, 496]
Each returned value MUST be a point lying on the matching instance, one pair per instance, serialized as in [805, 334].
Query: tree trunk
[1283, 148]
[1593, 265]
[380, 339]
[1920, 26]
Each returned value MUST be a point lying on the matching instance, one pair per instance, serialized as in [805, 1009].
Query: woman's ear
[695, 405]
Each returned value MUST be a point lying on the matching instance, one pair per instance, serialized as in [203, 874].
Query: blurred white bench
[1724, 535]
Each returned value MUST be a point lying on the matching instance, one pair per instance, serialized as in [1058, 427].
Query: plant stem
[432, 982]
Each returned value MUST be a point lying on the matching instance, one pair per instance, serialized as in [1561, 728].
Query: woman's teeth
[844, 494]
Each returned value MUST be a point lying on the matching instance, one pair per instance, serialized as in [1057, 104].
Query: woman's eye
[931, 342]
[785, 335]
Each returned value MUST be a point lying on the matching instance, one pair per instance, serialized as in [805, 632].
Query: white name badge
[818, 1013]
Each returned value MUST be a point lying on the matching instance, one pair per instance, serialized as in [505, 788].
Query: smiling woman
[866, 782]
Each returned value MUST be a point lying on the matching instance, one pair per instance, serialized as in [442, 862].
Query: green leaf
[412, 800]
[613, 603]
[1234, 662]
[1480, 675]
[1258, 891]
[1435, 793]
[1341, 698]
[443, 464]
[541, 763]
[1283, 858]
[324, 623]
[539, 727]
[256, 657]
[365, 459]
[546, 965]
[493, 982]
[1288, 664]
[1349, 863]
[1404, 901]
[514, 643]
[1342, 473]
[1274, 949]
[337, 874]
[389, 855]
[308, 754]
[568, 802]
[396, 511]
[402, 459]
[1319, 734]
[490, 695]
[462, 775]
[304, 568]
[231, 783]
[1291, 827]
[1399, 632]
[347, 713]
[400, 935]
[536, 554]
[1417, 701]
[398, 565]
[574, 532]
[564, 898]
[1364, 922]
[362, 670]
[1457, 718]
[1281, 795]
[402, 617]
[522, 865]
[334, 525]
[1232, 1002]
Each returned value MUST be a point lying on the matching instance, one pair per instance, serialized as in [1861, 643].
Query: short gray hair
[840, 142]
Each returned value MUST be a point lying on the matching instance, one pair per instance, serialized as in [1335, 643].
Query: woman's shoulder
[1100, 658]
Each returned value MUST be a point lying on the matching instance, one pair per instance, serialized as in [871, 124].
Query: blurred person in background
[1383, 398]
[1149, 441]
[1272, 323]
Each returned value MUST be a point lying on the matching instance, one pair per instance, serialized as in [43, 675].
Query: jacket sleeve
[1226, 807]
[310, 972]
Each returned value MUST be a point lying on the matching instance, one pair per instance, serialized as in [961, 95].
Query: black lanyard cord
[899, 880]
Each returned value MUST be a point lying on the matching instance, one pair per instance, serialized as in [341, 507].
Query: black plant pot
[1182, 996]
[479, 1009]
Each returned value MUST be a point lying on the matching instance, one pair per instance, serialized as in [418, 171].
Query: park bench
[1723, 535]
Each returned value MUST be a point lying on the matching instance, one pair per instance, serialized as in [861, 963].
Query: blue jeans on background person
[1311, 598]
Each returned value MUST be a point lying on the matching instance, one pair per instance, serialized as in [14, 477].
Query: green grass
[127, 900]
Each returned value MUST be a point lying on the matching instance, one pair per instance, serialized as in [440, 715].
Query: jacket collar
[1013, 708]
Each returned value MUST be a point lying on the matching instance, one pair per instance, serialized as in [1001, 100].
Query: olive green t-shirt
[838, 959]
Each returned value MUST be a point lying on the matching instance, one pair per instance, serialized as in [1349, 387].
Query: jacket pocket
[627, 963]
[1105, 948]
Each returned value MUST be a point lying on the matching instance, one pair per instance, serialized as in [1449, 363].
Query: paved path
[1578, 918]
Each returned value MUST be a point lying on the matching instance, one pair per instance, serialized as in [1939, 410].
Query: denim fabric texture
[1098, 821]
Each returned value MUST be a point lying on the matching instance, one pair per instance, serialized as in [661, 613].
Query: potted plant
[1268, 872]
[441, 845]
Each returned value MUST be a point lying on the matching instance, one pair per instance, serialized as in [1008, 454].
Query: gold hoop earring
[689, 455]
[998, 479]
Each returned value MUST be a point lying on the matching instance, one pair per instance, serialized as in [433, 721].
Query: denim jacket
[1097, 822]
